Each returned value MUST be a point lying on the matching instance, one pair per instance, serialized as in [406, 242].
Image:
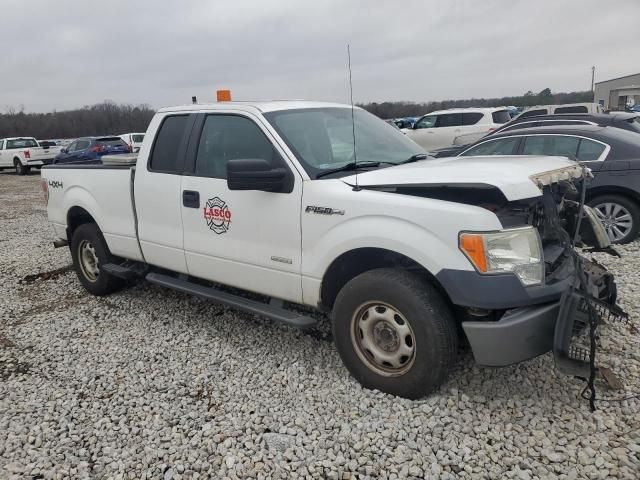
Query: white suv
[440, 129]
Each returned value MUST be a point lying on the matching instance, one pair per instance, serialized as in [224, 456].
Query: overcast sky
[63, 54]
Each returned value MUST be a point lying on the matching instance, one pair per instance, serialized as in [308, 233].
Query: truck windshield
[322, 138]
[21, 143]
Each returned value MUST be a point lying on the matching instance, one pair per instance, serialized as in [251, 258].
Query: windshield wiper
[356, 165]
[413, 158]
[349, 166]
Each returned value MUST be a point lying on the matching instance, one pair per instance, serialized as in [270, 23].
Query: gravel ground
[148, 383]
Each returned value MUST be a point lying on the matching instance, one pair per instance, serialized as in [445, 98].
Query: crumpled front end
[575, 289]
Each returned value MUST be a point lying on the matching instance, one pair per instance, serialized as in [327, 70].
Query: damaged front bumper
[529, 331]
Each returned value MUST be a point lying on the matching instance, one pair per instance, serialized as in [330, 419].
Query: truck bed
[105, 192]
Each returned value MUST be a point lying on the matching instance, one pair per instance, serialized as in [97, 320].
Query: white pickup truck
[23, 153]
[410, 256]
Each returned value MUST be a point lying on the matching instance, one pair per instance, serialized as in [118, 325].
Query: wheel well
[354, 262]
[622, 191]
[17, 160]
[76, 217]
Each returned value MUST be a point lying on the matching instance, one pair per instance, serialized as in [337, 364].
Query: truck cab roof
[262, 106]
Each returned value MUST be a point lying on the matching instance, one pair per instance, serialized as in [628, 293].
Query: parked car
[393, 123]
[90, 150]
[406, 122]
[564, 108]
[439, 129]
[134, 140]
[612, 154]
[24, 153]
[626, 121]
[268, 198]
[48, 144]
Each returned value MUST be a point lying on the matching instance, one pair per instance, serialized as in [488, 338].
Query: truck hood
[517, 177]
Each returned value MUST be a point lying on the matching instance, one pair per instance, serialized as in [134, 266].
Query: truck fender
[381, 232]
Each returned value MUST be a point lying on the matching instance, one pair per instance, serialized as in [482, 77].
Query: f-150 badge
[323, 210]
[217, 215]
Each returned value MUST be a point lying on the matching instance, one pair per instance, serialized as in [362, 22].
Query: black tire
[102, 283]
[627, 204]
[20, 169]
[430, 320]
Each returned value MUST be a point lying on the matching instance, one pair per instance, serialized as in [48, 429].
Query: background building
[614, 94]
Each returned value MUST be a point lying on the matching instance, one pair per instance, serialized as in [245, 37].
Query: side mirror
[257, 174]
[64, 150]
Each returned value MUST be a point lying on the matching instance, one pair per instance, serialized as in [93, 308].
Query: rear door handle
[191, 198]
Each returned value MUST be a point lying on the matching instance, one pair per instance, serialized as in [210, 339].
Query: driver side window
[230, 137]
[427, 122]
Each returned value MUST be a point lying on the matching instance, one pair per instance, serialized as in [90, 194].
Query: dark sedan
[90, 150]
[613, 155]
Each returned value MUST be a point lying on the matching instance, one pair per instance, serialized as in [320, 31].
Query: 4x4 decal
[217, 215]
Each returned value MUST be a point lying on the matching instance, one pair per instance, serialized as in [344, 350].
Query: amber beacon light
[223, 95]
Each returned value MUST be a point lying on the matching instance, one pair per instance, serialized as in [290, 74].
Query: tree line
[412, 109]
[110, 118]
[106, 118]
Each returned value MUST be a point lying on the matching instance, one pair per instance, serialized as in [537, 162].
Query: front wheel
[395, 332]
[619, 215]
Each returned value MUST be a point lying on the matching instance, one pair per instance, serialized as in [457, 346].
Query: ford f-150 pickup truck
[281, 207]
[23, 153]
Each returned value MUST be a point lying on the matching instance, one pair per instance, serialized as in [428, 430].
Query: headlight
[515, 250]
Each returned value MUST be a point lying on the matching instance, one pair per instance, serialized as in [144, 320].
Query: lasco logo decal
[217, 214]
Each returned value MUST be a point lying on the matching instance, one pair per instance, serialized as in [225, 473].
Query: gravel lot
[148, 383]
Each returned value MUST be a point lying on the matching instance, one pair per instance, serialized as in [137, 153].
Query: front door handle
[191, 198]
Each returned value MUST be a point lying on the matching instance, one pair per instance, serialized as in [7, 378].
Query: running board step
[125, 271]
[278, 314]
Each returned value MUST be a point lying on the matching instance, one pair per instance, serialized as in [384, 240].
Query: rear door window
[502, 146]
[575, 109]
[21, 143]
[471, 118]
[560, 145]
[589, 150]
[164, 154]
[501, 116]
[449, 120]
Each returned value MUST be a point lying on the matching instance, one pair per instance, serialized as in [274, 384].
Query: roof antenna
[353, 123]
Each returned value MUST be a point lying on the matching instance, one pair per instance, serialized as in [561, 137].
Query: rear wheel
[20, 168]
[394, 332]
[89, 251]
[619, 215]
